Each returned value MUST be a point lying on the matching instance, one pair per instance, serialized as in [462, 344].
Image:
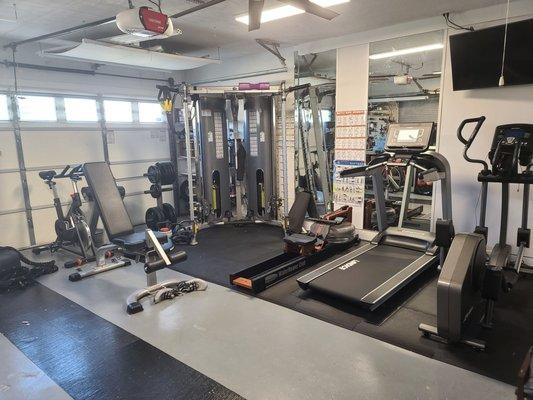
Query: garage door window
[4, 113]
[80, 110]
[150, 112]
[117, 111]
[37, 108]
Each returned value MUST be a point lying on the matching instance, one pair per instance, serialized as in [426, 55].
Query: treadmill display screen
[408, 135]
[409, 138]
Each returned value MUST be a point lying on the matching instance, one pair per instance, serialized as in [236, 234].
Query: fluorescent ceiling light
[273, 14]
[400, 98]
[329, 3]
[287, 11]
[411, 50]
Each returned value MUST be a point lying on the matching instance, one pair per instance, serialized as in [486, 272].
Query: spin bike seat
[47, 175]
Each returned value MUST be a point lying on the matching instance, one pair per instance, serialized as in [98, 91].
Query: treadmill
[375, 271]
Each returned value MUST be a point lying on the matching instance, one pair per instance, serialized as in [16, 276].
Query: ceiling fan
[255, 8]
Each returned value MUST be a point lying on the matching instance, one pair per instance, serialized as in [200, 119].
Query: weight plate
[170, 213]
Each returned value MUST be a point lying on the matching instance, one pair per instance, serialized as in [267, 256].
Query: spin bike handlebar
[68, 172]
[468, 142]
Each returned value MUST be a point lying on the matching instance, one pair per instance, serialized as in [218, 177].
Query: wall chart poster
[350, 151]
[348, 191]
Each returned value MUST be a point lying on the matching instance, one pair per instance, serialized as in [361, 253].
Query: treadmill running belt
[374, 267]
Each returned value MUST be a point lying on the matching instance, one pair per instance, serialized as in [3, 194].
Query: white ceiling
[214, 31]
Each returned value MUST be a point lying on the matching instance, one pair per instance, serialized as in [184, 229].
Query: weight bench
[126, 244]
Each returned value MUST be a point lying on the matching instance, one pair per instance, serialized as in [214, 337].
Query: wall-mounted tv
[477, 56]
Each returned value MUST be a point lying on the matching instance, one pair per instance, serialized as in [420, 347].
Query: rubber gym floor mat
[396, 322]
[222, 249]
[91, 358]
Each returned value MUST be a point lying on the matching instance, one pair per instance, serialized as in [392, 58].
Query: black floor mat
[227, 249]
[223, 248]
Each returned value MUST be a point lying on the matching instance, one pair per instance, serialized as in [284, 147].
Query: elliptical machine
[74, 234]
[467, 278]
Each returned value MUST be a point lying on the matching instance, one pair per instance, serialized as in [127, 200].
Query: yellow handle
[214, 197]
[166, 105]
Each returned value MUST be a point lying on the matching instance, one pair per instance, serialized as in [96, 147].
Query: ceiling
[214, 32]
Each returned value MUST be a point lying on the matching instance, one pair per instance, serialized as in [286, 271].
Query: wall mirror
[315, 125]
[404, 86]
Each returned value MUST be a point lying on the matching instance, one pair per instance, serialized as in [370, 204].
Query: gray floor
[263, 351]
[20, 379]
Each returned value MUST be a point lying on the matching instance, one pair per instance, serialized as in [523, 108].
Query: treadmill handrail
[365, 170]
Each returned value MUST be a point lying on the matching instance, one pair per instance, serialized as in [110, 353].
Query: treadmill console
[409, 138]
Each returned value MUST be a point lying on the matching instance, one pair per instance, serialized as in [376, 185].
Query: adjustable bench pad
[136, 242]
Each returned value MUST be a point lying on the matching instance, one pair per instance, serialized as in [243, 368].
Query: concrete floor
[264, 351]
[20, 379]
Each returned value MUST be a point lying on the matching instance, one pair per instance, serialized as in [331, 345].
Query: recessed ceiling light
[411, 50]
[273, 14]
[329, 3]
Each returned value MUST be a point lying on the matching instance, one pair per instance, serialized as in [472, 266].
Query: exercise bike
[74, 234]
[468, 279]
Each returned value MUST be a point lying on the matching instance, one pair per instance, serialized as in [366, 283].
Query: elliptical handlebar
[468, 142]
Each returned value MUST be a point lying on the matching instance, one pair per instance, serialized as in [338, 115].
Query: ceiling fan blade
[313, 8]
[255, 8]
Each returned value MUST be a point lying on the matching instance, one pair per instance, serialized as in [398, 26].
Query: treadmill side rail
[388, 288]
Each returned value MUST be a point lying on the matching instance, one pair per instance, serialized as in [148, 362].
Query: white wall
[352, 95]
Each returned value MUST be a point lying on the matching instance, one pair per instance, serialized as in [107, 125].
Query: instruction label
[219, 136]
[252, 128]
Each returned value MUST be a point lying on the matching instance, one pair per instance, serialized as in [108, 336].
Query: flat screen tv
[477, 56]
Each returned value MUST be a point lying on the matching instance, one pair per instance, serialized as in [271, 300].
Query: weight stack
[258, 141]
[214, 150]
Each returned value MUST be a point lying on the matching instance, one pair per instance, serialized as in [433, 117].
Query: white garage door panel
[46, 148]
[168, 197]
[137, 206]
[129, 170]
[43, 222]
[129, 145]
[11, 195]
[16, 232]
[135, 185]
[8, 151]
[40, 193]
